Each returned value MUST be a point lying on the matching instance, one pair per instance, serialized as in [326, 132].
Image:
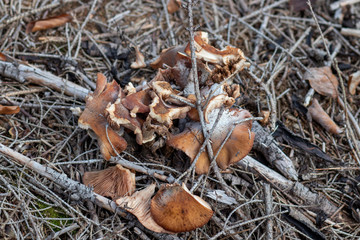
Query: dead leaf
[320, 116]
[296, 141]
[2, 57]
[173, 6]
[323, 81]
[48, 23]
[9, 109]
[354, 81]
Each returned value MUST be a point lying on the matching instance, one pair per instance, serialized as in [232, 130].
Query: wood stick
[21, 72]
[315, 200]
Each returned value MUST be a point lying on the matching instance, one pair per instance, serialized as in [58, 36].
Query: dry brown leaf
[173, 6]
[320, 116]
[48, 23]
[9, 109]
[3, 57]
[140, 60]
[323, 81]
[354, 81]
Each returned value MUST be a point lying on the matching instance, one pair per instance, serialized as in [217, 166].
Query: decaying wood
[303, 194]
[266, 144]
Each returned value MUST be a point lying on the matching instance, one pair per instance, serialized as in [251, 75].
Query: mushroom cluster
[149, 111]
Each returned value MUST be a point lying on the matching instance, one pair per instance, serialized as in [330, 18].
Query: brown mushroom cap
[165, 113]
[217, 102]
[118, 115]
[94, 117]
[208, 53]
[112, 182]
[139, 205]
[138, 102]
[236, 147]
[168, 56]
[175, 209]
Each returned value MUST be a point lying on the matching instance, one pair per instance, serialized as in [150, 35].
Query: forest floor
[283, 41]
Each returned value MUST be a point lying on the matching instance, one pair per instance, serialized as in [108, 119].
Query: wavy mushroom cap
[168, 56]
[177, 210]
[93, 117]
[235, 148]
[112, 182]
[118, 115]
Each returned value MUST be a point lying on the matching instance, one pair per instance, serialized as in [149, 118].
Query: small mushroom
[93, 117]
[118, 115]
[140, 60]
[217, 102]
[165, 113]
[177, 210]
[210, 54]
[139, 204]
[320, 116]
[137, 102]
[235, 148]
[354, 81]
[112, 182]
[168, 56]
[164, 90]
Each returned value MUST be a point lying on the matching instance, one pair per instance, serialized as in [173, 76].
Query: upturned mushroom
[118, 116]
[113, 182]
[177, 210]
[236, 147]
[93, 117]
[165, 113]
[139, 205]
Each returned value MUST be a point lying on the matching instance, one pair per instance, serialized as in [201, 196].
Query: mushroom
[112, 182]
[354, 81]
[164, 90]
[235, 148]
[118, 115]
[93, 117]
[177, 210]
[140, 60]
[137, 102]
[169, 57]
[165, 113]
[320, 116]
[210, 54]
[217, 102]
[139, 205]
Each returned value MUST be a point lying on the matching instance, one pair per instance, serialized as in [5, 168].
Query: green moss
[47, 211]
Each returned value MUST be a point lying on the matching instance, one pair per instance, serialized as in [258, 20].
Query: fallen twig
[22, 73]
